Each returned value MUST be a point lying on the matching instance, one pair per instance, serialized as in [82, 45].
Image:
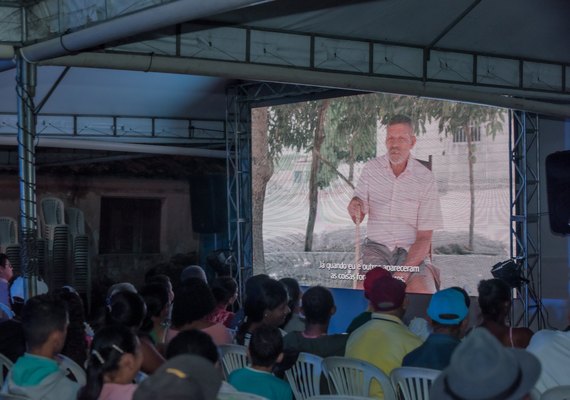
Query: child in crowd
[113, 363]
[265, 350]
[225, 291]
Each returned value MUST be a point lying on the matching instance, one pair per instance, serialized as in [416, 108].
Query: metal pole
[25, 88]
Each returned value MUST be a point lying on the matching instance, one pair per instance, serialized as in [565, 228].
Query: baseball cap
[183, 377]
[447, 307]
[387, 293]
[482, 368]
[370, 277]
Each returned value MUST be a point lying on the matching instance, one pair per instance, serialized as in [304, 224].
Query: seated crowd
[161, 342]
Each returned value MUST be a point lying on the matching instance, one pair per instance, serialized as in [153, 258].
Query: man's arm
[420, 249]
[356, 210]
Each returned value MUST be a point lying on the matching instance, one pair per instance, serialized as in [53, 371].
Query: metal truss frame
[525, 204]
[240, 100]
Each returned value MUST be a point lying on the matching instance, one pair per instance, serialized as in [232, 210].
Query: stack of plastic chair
[81, 271]
[56, 233]
[305, 376]
[9, 242]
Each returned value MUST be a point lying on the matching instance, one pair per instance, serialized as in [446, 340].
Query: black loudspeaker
[208, 204]
[558, 186]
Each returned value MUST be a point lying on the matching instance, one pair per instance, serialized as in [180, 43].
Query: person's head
[163, 280]
[268, 304]
[464, 294]
[155, 296]
[120, 287]
[266, 346]
[195, 342]
[494, 299]
[253, 284]
[318, 305]
[225, 290]
[44, 322]
[193, 301]
[192, 271]
[447, 311]
[183, 377]
[126, 308]
[400, 139]
[370, 277]
[388, 295]
[293, 291]
[482, 368]
[75, 344]
[115, 357]
[6, 271]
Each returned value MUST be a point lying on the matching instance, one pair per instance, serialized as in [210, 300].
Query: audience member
[225, 291]
[194, 302]
[182, 377]
[163, 280]
[6, 274]
[294, 320]
[365, 316]
[36, 374]
[192, 271]
[384, 340]
[252, 285]
[495, 303]
[318, 307]
[265, 350]
[552, 348]
[128, 309]
[447, 313]
[113, 363]
[482, 368]
[155, 296]
[120, 287]
[76, 340]
[267, 304]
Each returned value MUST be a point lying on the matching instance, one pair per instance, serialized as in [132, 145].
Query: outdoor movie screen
[436, 218]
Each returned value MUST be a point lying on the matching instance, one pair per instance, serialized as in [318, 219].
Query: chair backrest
[352, 377]
[413, 383]
[75, 220]
[5, 367]
[305, 376]
[72, 368]
[52, 211]
[9, 396]
[338, 397]
[556, 393]
[8, 231]
[233, 356]
[6, 311]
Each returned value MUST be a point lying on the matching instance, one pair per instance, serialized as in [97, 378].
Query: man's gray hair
[400, 119]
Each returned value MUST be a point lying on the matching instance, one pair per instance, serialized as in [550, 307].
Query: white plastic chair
[351, 377]
[8, 231]
[556, 393]
[6, 311]
[413, 383]
[233, 356]
[338, 397]
[5, 367]
[305, 376]
[71, 367]
[9, 396]
[52, 211]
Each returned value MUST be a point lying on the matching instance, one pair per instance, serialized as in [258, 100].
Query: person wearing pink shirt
[400, 197]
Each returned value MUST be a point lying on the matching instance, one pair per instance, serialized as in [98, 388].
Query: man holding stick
[400, 197]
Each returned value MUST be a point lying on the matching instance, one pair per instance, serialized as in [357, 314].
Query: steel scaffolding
[525, 204]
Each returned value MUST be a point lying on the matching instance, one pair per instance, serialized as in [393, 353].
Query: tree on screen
[453, 117]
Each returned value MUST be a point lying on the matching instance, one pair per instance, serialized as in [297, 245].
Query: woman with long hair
[266, 305]
[113, 363]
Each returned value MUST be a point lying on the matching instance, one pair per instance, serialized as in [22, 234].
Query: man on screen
[400, 197]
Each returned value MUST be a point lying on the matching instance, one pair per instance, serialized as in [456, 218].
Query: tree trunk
[315, 163]
[261, 173]
[351, 162]
[471, 159]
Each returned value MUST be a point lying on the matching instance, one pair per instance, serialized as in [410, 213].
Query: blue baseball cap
[447, 307]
